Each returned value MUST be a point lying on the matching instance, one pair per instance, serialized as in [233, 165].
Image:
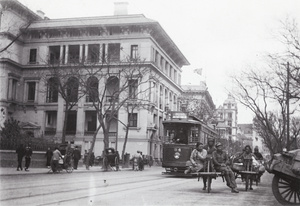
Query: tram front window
[181, 137]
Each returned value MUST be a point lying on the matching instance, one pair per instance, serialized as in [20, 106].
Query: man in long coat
[20, 153]
[76, 157]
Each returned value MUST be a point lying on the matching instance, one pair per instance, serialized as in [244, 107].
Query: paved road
[148, 187]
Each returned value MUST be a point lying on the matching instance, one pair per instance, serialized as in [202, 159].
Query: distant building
[227, 118]
[197, 100]
[245, 134]
[248, 136]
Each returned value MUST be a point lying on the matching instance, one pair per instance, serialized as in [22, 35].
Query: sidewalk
[8, 171]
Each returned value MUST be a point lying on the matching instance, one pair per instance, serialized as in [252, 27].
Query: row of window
[90, 122]
[90, 53]
[71, 89]
[165, 66]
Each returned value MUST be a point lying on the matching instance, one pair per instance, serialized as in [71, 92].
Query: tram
[181, 133]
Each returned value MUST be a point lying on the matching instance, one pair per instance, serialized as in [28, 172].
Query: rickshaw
[111, 159]
[286, 181]
[65, 162]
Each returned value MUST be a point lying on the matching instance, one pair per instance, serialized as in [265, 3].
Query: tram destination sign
[179, 115]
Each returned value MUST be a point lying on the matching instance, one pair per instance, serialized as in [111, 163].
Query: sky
[222, 37]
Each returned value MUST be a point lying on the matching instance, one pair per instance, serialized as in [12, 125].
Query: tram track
[113, 183]
[18, 185]
[121, 189]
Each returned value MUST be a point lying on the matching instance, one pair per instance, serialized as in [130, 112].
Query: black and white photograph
[149, 102]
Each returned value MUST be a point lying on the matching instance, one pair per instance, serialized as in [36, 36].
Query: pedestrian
[85, 156]
[257, 154]
[55, 158]
[136, 160]
[48, 155]
[76, 157]
[197, 158]
[210, 148]
[92, 159]
[28, 154]
[20, 153]
[221, 164]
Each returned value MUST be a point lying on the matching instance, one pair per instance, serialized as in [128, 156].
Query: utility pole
[288, 108]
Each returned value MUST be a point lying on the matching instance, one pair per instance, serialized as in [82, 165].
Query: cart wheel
[286, 191]
[208, 184]
[117, 163]
[247, 182]
[69, 169]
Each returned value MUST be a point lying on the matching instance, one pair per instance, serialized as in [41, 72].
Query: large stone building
[227, 119]
[34, 40]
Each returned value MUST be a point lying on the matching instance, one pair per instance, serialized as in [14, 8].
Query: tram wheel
[286, 192]
[208, 184]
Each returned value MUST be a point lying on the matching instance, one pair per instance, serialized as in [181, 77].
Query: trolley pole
[288, 109]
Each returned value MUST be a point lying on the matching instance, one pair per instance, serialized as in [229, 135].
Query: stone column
[61, 54]
[86, 52]
[80, 53]
[67, 54]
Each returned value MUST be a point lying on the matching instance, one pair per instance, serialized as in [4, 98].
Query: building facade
[197, 100]
[227, 118]
[37, 40]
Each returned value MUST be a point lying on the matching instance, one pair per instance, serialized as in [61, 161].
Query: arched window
[52, 90]
[92, 89]
[112, 89]
[72, 89]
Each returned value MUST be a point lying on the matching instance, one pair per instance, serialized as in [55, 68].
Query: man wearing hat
[221, 161]
[210, 148]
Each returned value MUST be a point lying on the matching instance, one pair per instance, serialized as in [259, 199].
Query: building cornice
[103, 25]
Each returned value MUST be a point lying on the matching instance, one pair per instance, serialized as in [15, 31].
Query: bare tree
[198, 108]
[63, 80]
[267, 93]
[121, 84]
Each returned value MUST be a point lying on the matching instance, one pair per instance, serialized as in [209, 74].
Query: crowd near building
[35, 41]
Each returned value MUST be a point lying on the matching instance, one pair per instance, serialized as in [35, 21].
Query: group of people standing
[52, 157]
[24, 152]
[220, 161]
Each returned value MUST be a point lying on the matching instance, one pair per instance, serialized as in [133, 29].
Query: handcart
[249, 173]
[286, 181]
[209, 173]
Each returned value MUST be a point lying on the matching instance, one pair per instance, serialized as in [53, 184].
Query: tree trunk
[87, 163]
[125, 142]
[63, 138]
